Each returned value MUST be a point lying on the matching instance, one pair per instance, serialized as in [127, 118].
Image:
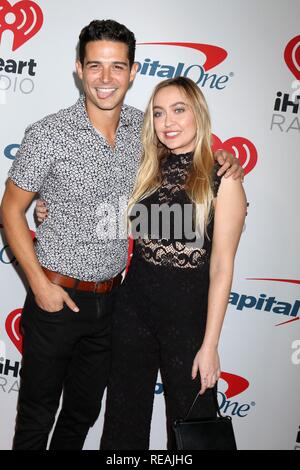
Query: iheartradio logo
[24, 19]
[241, 148]
[12, 326]
[292, 56]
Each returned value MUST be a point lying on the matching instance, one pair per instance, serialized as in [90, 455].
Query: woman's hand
[41, 210]
[207, 362]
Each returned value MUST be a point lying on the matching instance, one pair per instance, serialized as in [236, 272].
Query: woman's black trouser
[158, 323]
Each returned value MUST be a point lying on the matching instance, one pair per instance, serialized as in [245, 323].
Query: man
[76, 159]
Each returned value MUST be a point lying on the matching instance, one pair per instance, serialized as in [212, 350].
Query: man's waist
[89, 264]
[101, 287]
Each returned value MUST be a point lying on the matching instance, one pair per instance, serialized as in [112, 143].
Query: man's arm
[13, 208]
[230, 165]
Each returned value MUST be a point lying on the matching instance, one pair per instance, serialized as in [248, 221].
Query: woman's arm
[230, 212]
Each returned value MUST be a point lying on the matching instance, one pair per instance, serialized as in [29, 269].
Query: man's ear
[133, 71]
[79, 69]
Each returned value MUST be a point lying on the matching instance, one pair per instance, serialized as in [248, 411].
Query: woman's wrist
[209, 345]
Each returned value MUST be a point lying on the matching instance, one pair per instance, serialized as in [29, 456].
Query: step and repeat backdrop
[245, 57]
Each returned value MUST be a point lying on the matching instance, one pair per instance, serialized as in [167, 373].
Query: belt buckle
[109, 283]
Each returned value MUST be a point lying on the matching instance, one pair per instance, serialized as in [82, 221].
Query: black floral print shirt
[86, 184]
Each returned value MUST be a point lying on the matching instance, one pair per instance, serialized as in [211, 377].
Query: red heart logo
[26, 22]
[12, 326]
[292, 56]
[241, 148]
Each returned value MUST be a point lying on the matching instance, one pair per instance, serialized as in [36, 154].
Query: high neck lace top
[172, 247]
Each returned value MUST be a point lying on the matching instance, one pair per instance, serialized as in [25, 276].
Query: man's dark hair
[108, 30]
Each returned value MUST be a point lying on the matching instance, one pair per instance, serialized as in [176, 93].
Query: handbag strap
[215, 402]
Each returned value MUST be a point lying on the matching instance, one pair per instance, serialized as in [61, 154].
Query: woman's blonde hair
[198, 184]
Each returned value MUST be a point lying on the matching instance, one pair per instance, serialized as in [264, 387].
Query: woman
[170, 308]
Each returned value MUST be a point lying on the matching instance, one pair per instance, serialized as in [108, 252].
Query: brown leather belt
[101, 287]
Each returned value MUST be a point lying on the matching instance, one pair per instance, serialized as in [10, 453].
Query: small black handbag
[205, 434]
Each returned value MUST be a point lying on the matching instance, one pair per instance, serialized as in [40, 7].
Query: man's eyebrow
[92, 62]
[116, 62]
[120, 62]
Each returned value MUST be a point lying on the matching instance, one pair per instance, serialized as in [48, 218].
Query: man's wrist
[38, 282]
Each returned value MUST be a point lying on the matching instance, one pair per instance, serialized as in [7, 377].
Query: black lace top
[172, 247]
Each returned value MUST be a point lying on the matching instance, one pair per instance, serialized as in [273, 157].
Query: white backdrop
[260, 346]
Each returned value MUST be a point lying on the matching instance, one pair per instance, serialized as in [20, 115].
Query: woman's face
[174, 120]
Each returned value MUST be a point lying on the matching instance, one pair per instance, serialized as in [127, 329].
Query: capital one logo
[236, 385]
[292, 56]
[241, 148]
[213, 56]
[271, 304]
[24, 19]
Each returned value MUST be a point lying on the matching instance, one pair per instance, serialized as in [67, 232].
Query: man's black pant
[66, 351]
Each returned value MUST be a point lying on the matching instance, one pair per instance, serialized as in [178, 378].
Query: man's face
[106, 74]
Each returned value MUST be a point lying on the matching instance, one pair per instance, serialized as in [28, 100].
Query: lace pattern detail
[174, 174]
[171, 253]
[175, 253]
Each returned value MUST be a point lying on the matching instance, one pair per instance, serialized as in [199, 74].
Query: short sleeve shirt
[86, 184]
